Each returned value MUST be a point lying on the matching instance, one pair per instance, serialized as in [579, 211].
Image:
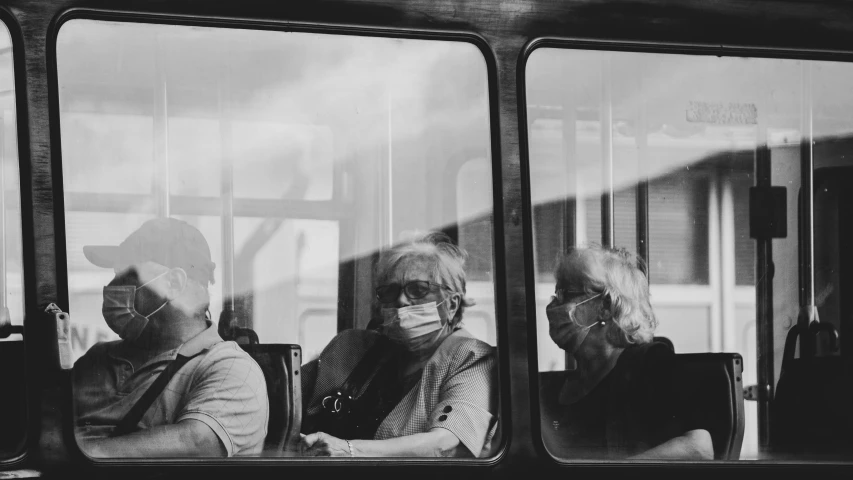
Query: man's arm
[229, 395]
[187, 438]
[692, 445]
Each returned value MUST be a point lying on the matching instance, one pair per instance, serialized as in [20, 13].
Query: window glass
[313, 169]
[473, 190]
[12, 400]
[705, 134]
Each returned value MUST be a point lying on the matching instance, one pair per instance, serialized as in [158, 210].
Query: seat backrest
[710, 388]
[281, 364]
[13, 399]
[810, 415]
[665, 341]
[710, 385]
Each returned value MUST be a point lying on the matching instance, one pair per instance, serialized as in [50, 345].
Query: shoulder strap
[370, 364]
[132, 418]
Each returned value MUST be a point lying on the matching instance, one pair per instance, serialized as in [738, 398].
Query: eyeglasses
[563, 296]
[414, 290]
[575, 306]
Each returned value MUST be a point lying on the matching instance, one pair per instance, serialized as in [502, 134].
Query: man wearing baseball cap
[171, 386]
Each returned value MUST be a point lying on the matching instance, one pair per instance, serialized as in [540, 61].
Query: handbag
[356, 408]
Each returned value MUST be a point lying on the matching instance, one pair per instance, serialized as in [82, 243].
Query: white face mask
[120, 312]
[417, 327]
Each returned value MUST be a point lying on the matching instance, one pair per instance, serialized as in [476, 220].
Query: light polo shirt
[221, 386]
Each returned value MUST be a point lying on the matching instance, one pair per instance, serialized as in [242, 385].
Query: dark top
[632, 409]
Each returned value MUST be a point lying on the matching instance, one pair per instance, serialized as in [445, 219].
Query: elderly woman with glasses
[421, 385]
[620, 399]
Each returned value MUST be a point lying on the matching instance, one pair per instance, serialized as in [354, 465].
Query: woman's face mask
[417, 327]
[565, 331]
[120, 313]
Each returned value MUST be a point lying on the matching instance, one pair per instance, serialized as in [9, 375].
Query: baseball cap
[167, 241]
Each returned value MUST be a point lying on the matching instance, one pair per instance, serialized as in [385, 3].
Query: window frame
[622, 46]
[61, 262]
[32, 359]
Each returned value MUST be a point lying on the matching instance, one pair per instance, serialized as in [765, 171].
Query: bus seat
[281, 364]
[229, 329]
[666, 341]
[13, 399]
[810, 415]
[712, 385]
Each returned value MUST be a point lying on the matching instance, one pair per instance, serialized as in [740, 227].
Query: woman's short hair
[446, 258]
[617, 274]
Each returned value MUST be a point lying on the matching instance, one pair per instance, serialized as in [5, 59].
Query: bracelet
[349, 445]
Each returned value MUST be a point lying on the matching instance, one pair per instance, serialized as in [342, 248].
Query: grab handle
[816, 327]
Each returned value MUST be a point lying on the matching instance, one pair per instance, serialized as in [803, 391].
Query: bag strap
[132, 418]
[378, 355]
[375, 390]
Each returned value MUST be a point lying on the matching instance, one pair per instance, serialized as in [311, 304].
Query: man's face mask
[417, 327]
[565, 331]
[119, 310]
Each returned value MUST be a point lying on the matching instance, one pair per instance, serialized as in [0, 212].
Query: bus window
[248, 183]
[665, 157]
[13, 404]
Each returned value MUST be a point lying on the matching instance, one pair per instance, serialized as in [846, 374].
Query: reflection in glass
[299, 157]
[11, 280]
[13, 397]
[698, 132]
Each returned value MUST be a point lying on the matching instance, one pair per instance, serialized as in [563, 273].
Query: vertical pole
[580, 210]
[389, 168]
[764, 300]
[727, 265]
[715, 276]
[3, 217]
[606, 109]
[161, 180]
[808, 311]
[572, 206]
[642, 214]
[354, 280]
[226, 192]
[571, 200]
[764, 283]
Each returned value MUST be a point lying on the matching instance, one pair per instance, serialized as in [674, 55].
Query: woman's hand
[438, 442]
[323, 445]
